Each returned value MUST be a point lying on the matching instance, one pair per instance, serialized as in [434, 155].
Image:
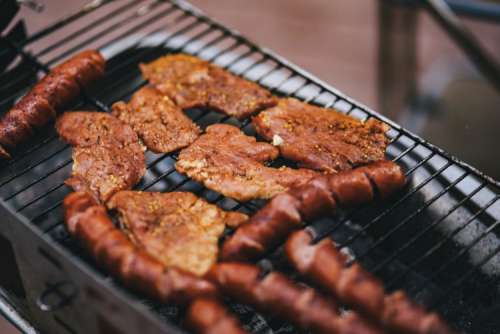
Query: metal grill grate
[438, 240]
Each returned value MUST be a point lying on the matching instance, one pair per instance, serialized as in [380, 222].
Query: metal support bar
[485, 63]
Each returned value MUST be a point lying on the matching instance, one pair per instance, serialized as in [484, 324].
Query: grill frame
[28, 239]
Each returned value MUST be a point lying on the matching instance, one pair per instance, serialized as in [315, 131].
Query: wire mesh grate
[439, 237]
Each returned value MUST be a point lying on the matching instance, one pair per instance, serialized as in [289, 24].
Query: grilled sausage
[89, 223]
[52, 93]
[208, 316]
[274, 222]
[277, 295]
[324, 265]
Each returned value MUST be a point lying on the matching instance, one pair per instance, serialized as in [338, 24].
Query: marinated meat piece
[178, 228]
[53, 92]
[321, 139]
[107, 155]
[231, 163]
[192, 82]
[270, 226]
[88, 222]
[162, 126]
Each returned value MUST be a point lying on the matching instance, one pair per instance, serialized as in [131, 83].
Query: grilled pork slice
[191, 82]
[162, 126]
[89, 223]
[321, 139]
[231, 163]
[107, 155]
[178, 228]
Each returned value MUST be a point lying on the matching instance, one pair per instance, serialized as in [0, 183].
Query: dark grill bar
[438, 240]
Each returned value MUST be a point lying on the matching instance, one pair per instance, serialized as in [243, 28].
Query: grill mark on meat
[160, 124]
[107, 155]
[178, 228]
[224, 159]
[321, 139]
[192, 82]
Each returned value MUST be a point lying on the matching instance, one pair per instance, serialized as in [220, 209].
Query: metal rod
[484, 62]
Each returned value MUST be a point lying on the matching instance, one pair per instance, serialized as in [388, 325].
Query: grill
[438, 240]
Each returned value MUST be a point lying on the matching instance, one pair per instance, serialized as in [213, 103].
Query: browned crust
[192, 82]
[277, 295]
[89, 223]
[321, 139]
[275, 221]
[161, 125]
[209, 316]
[324, 265]
[52, 93]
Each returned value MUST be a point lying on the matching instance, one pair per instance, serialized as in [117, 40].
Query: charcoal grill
[438, 239]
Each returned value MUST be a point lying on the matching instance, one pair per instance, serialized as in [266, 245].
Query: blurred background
[390, 55]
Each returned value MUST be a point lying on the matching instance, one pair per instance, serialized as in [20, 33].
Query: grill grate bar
[455, 284]
[443, 241]
[411, 216]
[86, 9]
[362, 209]
[85, 28]
[189, 31]
[112, 28]
[436, 222]
[396, 204]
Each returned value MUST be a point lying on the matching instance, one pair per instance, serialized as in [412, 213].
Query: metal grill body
[438, 239]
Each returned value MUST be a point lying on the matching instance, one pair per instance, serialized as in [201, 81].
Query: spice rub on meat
[162, 126]
[107, 155]
[178, 228]
[192, 82]
[321, 139]
[231, 163]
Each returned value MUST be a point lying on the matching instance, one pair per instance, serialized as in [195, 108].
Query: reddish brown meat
[275, 294]
[231, 163]
[178, 228]
[323, 264]
[107, 155]
[52, 93]
[208, 316]
[192, 82]
[160, 124]
[321, 139]
[89, 223]
[274, 222]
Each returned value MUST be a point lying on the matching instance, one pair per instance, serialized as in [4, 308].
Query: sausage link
[277, 295]
[263, 230]
[90, 224]
[324, 265]
[208, 316]
[52, 93]
[271, 225]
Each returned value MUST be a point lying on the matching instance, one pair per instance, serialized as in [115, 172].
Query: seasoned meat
[270, 226]
[88, 222]
[321, 139]
[178, 228]
[55, 91]
[231, 163]
[192, 82]
[107, 155]
[162, 126]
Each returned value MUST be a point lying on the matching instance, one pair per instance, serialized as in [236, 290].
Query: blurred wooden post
[397, 56]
